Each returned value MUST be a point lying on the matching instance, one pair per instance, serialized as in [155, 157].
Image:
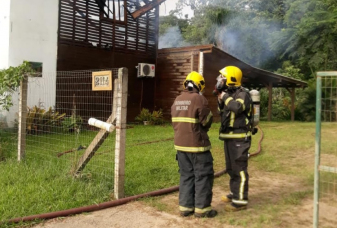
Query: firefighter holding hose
[235, 106]
[191, 120]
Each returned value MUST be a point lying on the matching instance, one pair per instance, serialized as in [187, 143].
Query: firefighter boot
[186, 213]
[234, 207]
[208, 214]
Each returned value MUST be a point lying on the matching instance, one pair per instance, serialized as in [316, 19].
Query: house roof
[252, 77]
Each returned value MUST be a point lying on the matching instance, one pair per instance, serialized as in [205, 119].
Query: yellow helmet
[233, 75]
[196, 79]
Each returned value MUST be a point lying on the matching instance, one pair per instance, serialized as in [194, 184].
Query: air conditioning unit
[146, 70]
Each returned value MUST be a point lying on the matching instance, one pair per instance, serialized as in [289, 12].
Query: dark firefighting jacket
[191, 119]
[236, 111]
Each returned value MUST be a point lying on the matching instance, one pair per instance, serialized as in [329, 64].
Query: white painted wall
[4, 33]
[33, 37]
[4, 43]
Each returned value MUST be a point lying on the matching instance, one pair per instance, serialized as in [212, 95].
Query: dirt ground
[264, 187]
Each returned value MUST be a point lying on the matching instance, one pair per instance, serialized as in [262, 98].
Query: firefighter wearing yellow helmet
[191, 120]
[235, 106]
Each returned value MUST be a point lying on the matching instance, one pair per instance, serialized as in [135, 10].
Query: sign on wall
[101, 80]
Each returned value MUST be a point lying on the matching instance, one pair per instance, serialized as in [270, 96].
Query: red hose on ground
[113, 203]
[91, 208]
[259, 144]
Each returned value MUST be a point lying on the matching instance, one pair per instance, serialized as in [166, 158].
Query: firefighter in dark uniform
[235, 106]
[191, 120]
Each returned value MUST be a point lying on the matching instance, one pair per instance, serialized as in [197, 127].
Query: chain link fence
[61, 134]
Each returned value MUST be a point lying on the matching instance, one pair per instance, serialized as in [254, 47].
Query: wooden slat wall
[172, 69]
[173, 65]
[80, 24]
[92, 43]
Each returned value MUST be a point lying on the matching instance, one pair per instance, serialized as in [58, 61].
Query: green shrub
[10, 81]
[156, 117]
[39, 120]
[72, 123]
[144, 115]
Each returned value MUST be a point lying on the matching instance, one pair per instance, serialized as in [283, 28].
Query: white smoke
[247, 41]
[172, 38]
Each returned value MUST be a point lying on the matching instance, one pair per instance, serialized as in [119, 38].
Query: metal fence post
[317, 149]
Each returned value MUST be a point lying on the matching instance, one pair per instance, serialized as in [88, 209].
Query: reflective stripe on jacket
[234, 111]
[191, 119]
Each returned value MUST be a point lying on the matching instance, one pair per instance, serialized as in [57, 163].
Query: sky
[169, 5]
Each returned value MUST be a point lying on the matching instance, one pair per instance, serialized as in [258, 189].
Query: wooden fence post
[121, 111]
[270, 100]
[22, 119]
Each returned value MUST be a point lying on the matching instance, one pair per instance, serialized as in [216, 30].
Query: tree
[10, 81]
[307, 101]
[203, 26]
[281, 102]
[238, 28]
[309, 38]
[267, 8]
[171, 20]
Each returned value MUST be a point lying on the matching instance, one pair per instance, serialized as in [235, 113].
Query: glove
[221, 96]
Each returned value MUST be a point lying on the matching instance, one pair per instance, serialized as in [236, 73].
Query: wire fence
[52, 136]
[67, 163]
[61, 134]
[325, 196]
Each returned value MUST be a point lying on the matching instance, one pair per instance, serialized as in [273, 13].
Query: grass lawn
[43, 182]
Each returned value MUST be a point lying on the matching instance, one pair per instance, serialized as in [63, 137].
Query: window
[113, 9]
[37, 66]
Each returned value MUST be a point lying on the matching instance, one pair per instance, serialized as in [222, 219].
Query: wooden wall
[81, 23]
[173, 65]
[88, 41]
[141, 90]
[172, 69]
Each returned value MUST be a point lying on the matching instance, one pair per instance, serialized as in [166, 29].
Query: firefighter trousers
[236, 154]
[196, 181]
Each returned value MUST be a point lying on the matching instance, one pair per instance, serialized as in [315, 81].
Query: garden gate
[325, 185]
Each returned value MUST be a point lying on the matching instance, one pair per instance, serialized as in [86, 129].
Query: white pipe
[100, 124]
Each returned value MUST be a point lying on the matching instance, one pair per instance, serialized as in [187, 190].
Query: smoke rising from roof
[172, 38]
[242, 34]
[247, 42]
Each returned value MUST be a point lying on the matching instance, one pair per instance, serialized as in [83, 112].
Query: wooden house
[95, 37]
